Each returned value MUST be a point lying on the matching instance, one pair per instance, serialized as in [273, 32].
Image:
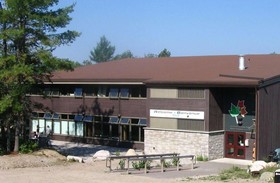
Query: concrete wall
[210, 145]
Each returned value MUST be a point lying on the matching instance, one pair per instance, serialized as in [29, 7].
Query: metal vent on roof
[241, 63]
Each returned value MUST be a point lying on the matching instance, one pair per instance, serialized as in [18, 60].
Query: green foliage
[118, 153]
[201, 158]
[29, 32]
[122, 163]
[166, 164]
[103, 51]
[234, 173]
[269, 169]
[164, 53]
[175, 161]
[141, 164]
[126, 54]
[2, 152]
[28, 147]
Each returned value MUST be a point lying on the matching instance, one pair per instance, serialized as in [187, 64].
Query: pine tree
[29, 34]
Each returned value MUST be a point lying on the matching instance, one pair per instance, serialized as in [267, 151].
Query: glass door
[235, 145]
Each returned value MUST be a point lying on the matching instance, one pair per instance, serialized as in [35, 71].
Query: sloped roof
[198, 70]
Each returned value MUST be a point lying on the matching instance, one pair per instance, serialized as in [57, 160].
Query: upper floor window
[78, 92]
[124, 93]
[114, 93]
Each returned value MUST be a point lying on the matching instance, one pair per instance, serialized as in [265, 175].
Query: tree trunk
[16, 147]
[3, 137]
[8, 138]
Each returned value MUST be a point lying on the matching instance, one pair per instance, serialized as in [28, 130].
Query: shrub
[201, 158]
[166, 164]
[28, 147]
[2, 152]
[141, 164]
[175, 161]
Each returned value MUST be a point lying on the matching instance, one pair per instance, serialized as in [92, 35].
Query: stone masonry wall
[183, 142]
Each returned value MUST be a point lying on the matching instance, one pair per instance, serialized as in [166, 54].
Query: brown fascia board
[98, 80]
[269, 81]
[207, 83]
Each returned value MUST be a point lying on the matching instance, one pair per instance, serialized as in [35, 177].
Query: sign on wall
[177, 114]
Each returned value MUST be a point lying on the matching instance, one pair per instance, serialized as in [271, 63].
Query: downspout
[257, 124]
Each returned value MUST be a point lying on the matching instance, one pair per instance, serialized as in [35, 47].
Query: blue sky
[184, 27]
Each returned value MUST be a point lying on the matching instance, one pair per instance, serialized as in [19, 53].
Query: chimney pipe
[241, 63]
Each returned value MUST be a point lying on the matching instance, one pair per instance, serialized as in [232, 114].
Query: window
[56, 127]
[143, 122]
[48, 116]
[56, 116]
[80, 128]
[114, 93]
[72, 128]
[47, 91]
[64, 127]
[88, 118]
[124, 120]
[114, 120]
[102, 91]
[124, 93]
[78, 117]
[55, 92]
[78, 92]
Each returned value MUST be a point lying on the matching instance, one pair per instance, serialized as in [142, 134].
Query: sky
[184, 27]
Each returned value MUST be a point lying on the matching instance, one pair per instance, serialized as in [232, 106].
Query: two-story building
[212, 106]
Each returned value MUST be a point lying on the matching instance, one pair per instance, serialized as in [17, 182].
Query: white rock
[75, 158]
[261, 163]
[101, 155]
[256, 168]
[131, 152]
[267, 176]
[271, 164]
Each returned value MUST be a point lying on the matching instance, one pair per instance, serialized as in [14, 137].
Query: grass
[227, 175]
[201, 158]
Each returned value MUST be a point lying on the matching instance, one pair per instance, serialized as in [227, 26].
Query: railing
[151, 157]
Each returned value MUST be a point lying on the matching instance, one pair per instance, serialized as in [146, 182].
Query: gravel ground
[48, 166]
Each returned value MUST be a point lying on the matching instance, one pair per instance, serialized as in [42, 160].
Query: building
[211, 106]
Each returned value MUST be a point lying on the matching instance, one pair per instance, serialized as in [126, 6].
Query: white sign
[177, 114]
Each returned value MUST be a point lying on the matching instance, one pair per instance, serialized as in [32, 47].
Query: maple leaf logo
[239, 109]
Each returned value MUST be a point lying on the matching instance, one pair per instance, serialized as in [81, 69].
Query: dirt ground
[48, 166]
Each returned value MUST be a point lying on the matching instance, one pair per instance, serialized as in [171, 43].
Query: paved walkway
[208, 168]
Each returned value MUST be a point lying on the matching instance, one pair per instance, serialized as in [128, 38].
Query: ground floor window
[118, 128]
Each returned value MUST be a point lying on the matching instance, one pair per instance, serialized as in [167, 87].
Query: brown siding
[215, 110]
[269, 120]
[95, 106]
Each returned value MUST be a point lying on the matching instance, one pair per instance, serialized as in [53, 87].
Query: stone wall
[210, 145]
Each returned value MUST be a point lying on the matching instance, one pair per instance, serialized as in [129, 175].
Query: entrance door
[235, 145]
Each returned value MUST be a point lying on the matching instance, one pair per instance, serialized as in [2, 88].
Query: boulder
[75, 158]
[131, 152]
[267, 176]
[272, 164]
[257, 166]
[101, 155]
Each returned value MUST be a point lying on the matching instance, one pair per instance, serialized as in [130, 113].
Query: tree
[126, 54]
[164, 53]
[150, 55]
[103, 51]
[29, 34]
